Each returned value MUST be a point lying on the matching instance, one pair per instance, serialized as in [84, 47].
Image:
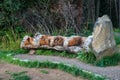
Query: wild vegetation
[18, 75]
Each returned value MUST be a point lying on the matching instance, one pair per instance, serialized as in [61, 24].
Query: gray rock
[103, 43]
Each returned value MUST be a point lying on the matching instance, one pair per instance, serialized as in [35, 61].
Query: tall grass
[10, 40]
[117, 39]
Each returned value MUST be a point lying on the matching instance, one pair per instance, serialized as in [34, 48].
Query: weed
[117, 39]
[109, 60]
[87, 57]
[87, 32]
[44, 71]
[55, 53]
[117, 30]
[10, 41]
[18, 76]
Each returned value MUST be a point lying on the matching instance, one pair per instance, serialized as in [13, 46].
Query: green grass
[117, 30]
[55, 53]
[109, 60]
[10, 39]
[69, 69]
[44, 71]
[112, 60]
[87, 57]
[18, 75]
[117, 39]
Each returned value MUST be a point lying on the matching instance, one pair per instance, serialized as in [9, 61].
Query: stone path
[111, 72]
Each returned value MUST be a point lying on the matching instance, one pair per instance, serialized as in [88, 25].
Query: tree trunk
[119, 13]
[116, 9]
[98, 8]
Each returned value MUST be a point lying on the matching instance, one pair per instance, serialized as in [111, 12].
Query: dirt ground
[35, 73]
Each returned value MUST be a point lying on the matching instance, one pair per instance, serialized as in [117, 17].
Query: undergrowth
[117, 30]
[55, 53]
[11, 39]
[87, 57]
[18, 75]
[109, 60]
[117, 39]
[103, 62]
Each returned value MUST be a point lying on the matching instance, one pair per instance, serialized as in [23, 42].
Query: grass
[69, 69]
[117, 39]
[18, 76]
[44, 71]
[10, 40]
[109, 60]
[55, 53]
[112, 60]
[87, 57]
[117, 30]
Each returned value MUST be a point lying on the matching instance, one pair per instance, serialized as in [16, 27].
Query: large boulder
[103, 43]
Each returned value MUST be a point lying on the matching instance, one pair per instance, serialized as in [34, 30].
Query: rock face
[103, 43]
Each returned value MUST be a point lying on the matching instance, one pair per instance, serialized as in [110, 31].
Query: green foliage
[55, 53]
[70, 32]
[109, 60]
[9, 9]
[18, 76]
[10, 41]
[87, 57]
[70, 69]
[44, 71]
[117, 39]
[87, 33]
[117, 30]
[105, 61]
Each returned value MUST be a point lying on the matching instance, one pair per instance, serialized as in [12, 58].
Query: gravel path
[111, 72]
[34, 73]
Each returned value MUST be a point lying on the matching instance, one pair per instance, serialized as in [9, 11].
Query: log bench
[73, 44]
